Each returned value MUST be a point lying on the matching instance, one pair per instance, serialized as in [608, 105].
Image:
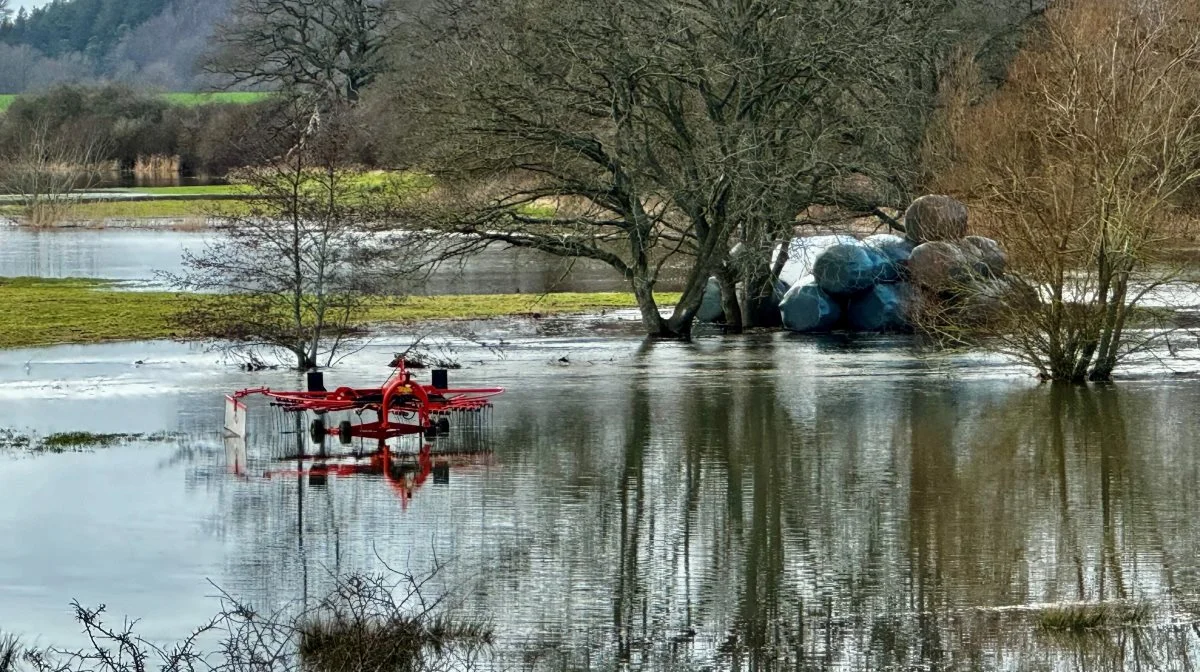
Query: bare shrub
[360, 625]
[1079, 165]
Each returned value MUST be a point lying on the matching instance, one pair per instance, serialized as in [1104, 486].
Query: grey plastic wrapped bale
[802, 254]
[895, 252]
[935, 217]
[847, 269]
[988, 258]
[883, 308]
[710, 303]
[939, 266]
[807, 308]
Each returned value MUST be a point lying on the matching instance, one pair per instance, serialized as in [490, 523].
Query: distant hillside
[152, 43]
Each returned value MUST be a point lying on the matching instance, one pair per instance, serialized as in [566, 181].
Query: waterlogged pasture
[743, 503]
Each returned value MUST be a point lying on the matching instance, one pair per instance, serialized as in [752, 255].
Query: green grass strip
[38, 312]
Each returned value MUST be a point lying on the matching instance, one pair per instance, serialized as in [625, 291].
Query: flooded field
[754, 503]
[136, 255]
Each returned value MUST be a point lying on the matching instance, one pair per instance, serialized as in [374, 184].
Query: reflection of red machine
[405, 473]
[402, 405]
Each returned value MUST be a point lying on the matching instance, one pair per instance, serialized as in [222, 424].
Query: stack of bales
[870, 285]
[858, 286]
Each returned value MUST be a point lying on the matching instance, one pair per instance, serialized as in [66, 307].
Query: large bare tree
[327, 47]
[643, 133]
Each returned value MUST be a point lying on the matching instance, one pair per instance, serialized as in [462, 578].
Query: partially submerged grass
[100, 211]
[480, 306]
[186, 190]
[38, 312]
[61, 442]
[1084, 616]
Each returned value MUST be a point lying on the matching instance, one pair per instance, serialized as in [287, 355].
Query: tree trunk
[729, 301]
[652, 320]
[759, 306]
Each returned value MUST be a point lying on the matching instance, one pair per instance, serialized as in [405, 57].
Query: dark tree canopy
[329, 47]
[659, 130]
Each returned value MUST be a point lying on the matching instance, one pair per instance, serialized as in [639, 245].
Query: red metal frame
[401, 395]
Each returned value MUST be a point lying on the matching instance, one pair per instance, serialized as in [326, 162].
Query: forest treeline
[147, 43]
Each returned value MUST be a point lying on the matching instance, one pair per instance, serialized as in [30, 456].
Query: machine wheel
[344, 432]
[317, 430]
[443, 425]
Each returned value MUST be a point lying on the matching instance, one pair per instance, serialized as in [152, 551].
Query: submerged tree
[1079, 165]
[648, 134]
[295, 261]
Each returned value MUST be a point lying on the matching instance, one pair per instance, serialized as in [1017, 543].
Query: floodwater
[137, 255]
[745, 503]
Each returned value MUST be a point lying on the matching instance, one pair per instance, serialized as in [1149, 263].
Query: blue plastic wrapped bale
[894, 251]
[710, 303]
[843, 270]
[807, 308]
[883, 308]
[802, 253]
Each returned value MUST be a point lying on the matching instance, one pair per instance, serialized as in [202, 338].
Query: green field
[193, 99]
[183, 99]
[35, 311]
[97, 212]
[203, 190]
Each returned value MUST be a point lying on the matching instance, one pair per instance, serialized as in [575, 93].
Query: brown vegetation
[1079, 165]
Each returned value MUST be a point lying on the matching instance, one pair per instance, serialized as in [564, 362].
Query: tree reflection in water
[720, 508]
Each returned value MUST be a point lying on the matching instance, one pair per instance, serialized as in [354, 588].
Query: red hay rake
[402, 406]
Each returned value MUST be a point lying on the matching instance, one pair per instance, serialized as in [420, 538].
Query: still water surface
[767, 502]
[138, 255]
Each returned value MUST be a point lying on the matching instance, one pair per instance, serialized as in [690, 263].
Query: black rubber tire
[317, 430]
[443, 425]
[344, 432]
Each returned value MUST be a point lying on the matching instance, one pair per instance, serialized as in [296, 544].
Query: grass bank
[98, 212]
[37, 312]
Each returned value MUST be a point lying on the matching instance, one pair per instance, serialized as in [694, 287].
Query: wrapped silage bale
[808, 308]
[710, 303]
[802, 255]
[895, 252]
[885, 307]
[987, 257]
[847, 269]
[935, 217]
[939, 266]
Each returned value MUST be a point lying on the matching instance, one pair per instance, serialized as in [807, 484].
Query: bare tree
[46, 170]
[295, 263]
[325, 47]
[648, 134]
[1079, 165]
